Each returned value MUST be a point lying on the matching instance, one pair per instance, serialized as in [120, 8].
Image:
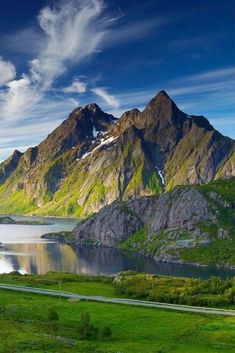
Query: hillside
[190, 224]
[93, 159]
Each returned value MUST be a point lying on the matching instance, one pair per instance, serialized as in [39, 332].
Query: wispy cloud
[221, 73]
[77, 86]
[72, 32]
[7, 72]
[229, 120]
[135, 30]
[112, 101]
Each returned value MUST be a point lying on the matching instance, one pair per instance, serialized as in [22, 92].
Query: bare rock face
[181, 209]
[112, 225]
[184, 207]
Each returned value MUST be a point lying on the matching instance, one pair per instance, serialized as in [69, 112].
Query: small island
[66, 237]
[9, 220]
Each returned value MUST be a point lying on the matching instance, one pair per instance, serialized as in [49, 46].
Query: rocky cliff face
[169, 226]
[183, 208]
[93, 159]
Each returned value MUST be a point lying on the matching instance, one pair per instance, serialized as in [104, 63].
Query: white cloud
[72, 32]
[7, 72]
[213, 74]
[74, 102]
[135, 30]
[107, 97]
[218, 76]
[20, 95]
[77, 86]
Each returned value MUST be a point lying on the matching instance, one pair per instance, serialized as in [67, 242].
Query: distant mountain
[93, 159]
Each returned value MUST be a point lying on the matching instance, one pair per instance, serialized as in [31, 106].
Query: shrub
[106, 332]
[86, 330]
[52, 315]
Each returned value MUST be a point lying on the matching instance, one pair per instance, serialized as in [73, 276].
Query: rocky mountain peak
[93, 108]
[160, 99]
[98, 119]
[79, 130]
[162, 110]
[125, 121]
[17, 153]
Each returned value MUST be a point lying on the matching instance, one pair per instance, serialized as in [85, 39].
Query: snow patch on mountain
[160, 174]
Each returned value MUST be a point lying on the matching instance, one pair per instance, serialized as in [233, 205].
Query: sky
[57, 55]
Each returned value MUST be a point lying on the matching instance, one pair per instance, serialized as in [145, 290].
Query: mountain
[193, 224]
[93, 159]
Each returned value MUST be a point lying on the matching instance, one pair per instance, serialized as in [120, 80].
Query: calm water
[24, 251]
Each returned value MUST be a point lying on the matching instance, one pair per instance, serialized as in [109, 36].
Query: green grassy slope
[78, 188]
[24, 327]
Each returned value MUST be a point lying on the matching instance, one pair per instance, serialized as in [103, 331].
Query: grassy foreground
[24, 327]
[25, 324]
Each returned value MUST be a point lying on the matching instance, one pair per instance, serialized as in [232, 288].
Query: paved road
[62, 294]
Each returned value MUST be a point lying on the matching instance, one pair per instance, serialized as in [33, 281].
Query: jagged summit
[17, 153]
[93, 107]
[162, 94]
[163, 111]
[160, 98]
[93, 159]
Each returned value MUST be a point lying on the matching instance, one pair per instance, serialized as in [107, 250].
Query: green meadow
[26, 325]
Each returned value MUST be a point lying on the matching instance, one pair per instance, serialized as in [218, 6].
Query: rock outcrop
[183, 208]
[189, 217]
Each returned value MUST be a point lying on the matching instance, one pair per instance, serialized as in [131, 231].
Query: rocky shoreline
[67, 237]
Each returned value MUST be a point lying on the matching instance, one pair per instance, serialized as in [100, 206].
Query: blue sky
[56, 55]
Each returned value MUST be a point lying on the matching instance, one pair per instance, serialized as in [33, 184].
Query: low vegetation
[214, 292]
[31, 323]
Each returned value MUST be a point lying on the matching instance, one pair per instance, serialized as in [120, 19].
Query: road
[62, 294]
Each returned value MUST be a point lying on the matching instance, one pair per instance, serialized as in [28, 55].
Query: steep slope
[199, 155]
[93, 159]
[8, 166]
[189, 224]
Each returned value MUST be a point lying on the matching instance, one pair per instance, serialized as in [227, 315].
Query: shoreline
[38, 216]
[61, 238]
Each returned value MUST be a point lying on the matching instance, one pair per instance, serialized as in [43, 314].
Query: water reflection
[43, 257]
[23, 250]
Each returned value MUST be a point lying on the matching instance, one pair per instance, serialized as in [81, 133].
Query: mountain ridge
[93, 159]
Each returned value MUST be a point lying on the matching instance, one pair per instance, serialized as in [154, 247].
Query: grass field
[24, 327]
